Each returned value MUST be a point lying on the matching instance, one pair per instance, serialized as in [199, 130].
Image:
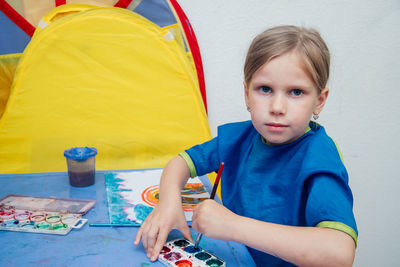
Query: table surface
[88, 246]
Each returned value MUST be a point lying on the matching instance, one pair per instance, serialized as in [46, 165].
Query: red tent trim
[123, 3]
[194, 47]
[16, 18]
[29, 29]
[60, 2]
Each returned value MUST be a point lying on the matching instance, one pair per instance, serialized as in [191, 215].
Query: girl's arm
[302, 246]
[168, 214]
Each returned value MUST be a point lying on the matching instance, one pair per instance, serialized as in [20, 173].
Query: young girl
[284, 187]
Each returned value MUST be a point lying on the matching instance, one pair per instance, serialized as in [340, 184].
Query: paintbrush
[115, 225]
[212, 195]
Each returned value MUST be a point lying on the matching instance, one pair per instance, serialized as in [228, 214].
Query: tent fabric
[17, 18]
[106, 78]
[194, 47]
[26, 14]
[8, 64]
[12, 38]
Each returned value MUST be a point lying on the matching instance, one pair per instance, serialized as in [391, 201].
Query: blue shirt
[303, 183]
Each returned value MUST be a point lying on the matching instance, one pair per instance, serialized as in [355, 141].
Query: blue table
[88, 246]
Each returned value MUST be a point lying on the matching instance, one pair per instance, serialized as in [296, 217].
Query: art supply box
[43, 215]
[182, 252]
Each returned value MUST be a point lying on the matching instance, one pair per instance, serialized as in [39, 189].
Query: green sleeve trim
[340, 153]
[341, 227]
[190, 163]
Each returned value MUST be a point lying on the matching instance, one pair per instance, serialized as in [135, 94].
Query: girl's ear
[321, 101]
[246, 95]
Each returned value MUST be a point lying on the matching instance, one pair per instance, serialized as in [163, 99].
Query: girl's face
[282, 97]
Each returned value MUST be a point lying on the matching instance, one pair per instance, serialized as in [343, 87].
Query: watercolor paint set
[42, 215]
[183, 253]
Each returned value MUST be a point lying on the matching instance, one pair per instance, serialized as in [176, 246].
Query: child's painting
[133, 195]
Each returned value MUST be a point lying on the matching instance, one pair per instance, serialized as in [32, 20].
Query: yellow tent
[102, 77]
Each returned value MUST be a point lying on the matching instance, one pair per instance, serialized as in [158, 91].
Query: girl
[284, 187]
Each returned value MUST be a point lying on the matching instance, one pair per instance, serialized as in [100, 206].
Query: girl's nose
[278, 105]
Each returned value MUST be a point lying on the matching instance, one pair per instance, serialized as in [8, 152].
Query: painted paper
[132, 195]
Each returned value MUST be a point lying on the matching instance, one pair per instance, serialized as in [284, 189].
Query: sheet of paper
[132, 195]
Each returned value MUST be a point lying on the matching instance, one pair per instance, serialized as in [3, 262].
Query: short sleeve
[203, 158]
[330, 204]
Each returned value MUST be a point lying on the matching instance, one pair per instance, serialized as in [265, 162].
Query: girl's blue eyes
[265, 89]
[294, 92]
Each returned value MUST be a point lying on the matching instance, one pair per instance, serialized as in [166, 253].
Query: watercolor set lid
[67, 205]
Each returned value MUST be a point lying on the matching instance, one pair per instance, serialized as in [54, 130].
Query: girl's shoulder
[234, 126]
[236, 137]
[236, 130]
[320, 140]
[321, 150]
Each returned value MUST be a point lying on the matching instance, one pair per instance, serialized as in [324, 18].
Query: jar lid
[80, 153]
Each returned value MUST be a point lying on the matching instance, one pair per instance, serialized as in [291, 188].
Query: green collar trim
[267, 143]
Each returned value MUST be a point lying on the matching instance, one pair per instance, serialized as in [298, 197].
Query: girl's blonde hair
[282, 39]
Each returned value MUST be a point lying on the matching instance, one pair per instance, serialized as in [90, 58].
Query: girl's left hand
[214, 220]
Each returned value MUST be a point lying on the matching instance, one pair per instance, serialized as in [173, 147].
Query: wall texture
[361, 111]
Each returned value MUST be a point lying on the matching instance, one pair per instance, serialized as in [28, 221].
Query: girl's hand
[155, 229]
[213, 220]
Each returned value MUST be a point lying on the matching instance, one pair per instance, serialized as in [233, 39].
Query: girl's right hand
[155, 229]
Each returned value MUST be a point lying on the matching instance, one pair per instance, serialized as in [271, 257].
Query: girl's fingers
[138, 236]
[162, 237]
[140, 231]
[152, 236]
[144, 238]
[186, 232]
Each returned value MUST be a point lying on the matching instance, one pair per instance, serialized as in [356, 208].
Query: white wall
[363, 107]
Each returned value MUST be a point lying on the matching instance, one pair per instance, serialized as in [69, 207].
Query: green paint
[214, 263]
[202, 256]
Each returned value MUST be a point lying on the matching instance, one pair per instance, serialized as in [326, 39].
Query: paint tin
[41, 222]
[22, 215]
[182, 253]
[42, 215]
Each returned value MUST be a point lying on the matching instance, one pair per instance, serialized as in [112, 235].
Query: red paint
[183, 263]
[173, 256]
[165, 250]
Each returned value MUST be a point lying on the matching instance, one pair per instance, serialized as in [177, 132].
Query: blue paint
[115, 201]
[191, 249]
[141, 212]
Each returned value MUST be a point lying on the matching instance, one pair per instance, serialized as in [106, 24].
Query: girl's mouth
[273, 124]
[276, 127]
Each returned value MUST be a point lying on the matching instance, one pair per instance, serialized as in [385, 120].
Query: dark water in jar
[81, 179]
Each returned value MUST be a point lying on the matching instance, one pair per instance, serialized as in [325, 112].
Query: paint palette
[42, 215]
[181, 252]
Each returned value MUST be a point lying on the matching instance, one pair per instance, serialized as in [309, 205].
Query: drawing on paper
[133, 195]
